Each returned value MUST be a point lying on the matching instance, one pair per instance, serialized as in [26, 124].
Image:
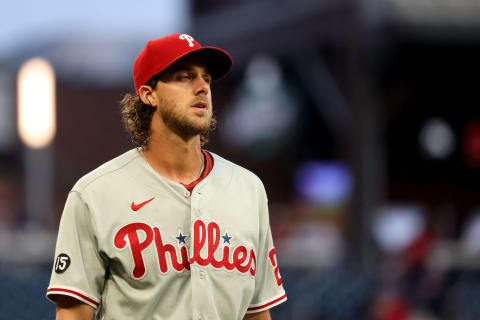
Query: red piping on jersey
[75, 293]
[267, 304]
[208, 167]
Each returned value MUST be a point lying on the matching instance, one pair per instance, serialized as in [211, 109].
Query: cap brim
[218, 61]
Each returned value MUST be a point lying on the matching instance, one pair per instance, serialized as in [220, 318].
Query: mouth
[200, 105]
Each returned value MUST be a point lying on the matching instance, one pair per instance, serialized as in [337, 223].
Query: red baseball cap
[161, 53]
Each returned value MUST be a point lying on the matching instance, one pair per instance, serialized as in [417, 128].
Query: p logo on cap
[188, 38]
[159, 54]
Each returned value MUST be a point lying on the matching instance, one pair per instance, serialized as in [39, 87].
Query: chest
[152, 234]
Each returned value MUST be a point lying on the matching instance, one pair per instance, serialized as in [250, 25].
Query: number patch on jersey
[273, 260]
[62, 263]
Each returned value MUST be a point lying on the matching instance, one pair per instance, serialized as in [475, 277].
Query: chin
[202, 124]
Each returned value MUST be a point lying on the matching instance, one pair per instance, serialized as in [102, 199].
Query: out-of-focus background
[361, 118]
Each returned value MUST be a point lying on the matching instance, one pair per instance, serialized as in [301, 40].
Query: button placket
[198, 275]
[196, 199]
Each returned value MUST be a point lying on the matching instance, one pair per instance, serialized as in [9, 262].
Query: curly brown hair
[137, 117]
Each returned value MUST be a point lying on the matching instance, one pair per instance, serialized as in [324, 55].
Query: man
[167, 230]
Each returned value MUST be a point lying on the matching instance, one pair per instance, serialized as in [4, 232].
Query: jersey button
[202, 274]
[186, 194]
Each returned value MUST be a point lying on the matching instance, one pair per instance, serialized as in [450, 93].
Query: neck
[175, 158]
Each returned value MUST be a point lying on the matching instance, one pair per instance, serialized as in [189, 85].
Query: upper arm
[78, 268]
[269, 290]
[69, 308]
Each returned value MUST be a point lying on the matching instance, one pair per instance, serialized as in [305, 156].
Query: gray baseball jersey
[143, 247]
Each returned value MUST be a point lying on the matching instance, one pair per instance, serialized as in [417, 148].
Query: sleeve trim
[74, 294]
[267, 305]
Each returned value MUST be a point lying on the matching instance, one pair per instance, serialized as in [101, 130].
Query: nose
[201, 86]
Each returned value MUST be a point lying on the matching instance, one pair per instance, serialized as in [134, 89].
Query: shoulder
[235, 173]
[237, 169]
[106, 171]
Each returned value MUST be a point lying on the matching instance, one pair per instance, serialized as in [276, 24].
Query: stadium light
[36, 103]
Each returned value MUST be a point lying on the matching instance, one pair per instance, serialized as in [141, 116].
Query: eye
[183, 76]
[208, 79]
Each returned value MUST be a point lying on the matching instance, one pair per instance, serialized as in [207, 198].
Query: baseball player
[167, 230]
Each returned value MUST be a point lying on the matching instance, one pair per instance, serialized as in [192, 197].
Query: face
[183, 98]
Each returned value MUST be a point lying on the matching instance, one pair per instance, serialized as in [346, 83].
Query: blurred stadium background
[361, 118]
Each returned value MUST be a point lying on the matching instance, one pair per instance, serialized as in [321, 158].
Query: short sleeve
[78, 270]
[269, 290]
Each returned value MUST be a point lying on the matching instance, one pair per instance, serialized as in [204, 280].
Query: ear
[145, 93]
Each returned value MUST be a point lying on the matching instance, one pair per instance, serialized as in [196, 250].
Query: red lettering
[239, 257]
[253, 269]
[213, 240]
[204, 236]
[273, 261]
[185, 261]
[136, 246]
[199, 237]
[240, 254]
[163, 249]
[225, 262]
